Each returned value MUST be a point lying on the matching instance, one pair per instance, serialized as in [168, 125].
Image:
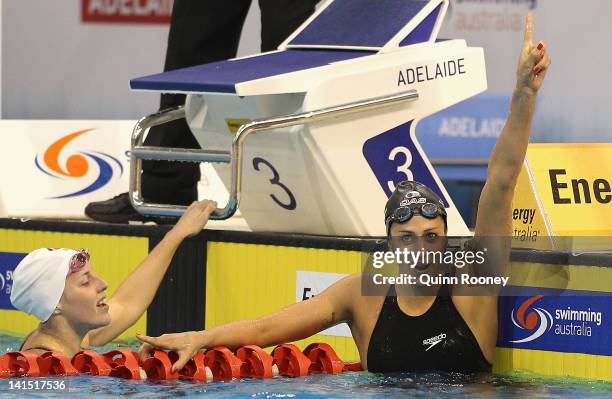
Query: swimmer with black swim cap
[397, 331]
[410, 198]
[415, 217]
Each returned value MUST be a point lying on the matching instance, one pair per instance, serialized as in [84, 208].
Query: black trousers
[204, 31]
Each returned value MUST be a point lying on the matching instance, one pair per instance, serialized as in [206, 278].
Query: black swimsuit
[438, 340]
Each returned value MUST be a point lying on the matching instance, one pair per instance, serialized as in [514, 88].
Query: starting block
[313, 137]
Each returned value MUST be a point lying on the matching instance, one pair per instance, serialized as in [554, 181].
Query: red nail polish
[540, 46]
[536, 69]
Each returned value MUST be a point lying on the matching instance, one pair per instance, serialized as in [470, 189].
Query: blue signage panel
[575, 324]
[467, 130]
[393, 157]
[8, 263]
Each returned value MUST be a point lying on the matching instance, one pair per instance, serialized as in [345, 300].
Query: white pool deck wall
[53, 66]
[571, 28]
[1, 49]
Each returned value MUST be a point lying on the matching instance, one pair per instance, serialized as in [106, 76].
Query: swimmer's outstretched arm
[493, 220]
[136, 292]
[494, 210]
[297, 321]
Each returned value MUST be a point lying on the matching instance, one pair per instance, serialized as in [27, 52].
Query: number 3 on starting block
[291, 204]
[394, 157]
[403, 168]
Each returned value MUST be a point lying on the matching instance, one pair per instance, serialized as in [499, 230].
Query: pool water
[346, 385]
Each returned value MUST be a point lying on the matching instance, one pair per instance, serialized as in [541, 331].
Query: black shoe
[119, 209]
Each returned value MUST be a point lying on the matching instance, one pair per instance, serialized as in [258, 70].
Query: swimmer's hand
[533, 62]
[185, 344]
[195, 218]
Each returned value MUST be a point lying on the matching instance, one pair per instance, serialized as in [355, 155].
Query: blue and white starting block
[313, 137]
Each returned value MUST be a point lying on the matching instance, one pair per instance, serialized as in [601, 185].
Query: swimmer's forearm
[137, 291]
[506, 161]
[294, 322]
[235, 335]
[139, 288]
[232, 335]
[511, 147]
[250, 332]
[494, 208]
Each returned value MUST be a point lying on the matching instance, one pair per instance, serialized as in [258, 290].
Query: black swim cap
[407, 194]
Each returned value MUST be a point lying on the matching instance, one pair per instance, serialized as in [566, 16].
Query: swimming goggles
[404, 213]
[78, 261]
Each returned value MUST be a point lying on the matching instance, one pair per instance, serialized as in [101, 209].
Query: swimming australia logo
[433, 341]
[539, 320]
[56, 164]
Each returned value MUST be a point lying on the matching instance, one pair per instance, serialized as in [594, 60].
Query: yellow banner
[564, 190]
[112, 258]
[246, 281]
[529, 228]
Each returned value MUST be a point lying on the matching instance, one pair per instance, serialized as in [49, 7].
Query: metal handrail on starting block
[139, 152]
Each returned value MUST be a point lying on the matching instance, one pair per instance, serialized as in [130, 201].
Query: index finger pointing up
[528, 30]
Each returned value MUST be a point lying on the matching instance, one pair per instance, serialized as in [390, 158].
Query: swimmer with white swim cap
[399, 331]
[59, 287]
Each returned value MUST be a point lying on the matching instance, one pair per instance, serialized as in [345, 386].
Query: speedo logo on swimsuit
[433, 341]
[407, 202]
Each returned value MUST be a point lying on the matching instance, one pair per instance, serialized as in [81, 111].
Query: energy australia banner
[578, 324]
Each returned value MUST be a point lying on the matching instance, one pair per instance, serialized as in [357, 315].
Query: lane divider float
[216, 364]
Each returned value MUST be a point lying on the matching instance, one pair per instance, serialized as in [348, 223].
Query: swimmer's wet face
[419, 233]
[418, 229]
[416, 220]
[83, 300]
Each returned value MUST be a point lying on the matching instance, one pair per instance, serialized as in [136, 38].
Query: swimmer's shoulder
[353, 291]
[35, 351]
[359, 284]
[344, 288]
[26, 341]
[32, 345]
[367, 297]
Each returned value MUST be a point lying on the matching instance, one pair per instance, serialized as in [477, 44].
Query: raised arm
[297, 321]
[494, 218]
[136, 292]
[494, 210]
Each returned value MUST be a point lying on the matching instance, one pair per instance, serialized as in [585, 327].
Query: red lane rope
[215, 364]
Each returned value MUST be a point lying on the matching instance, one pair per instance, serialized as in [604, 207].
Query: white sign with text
[310, 284]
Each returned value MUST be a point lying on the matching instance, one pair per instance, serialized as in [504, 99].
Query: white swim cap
[39, 281]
